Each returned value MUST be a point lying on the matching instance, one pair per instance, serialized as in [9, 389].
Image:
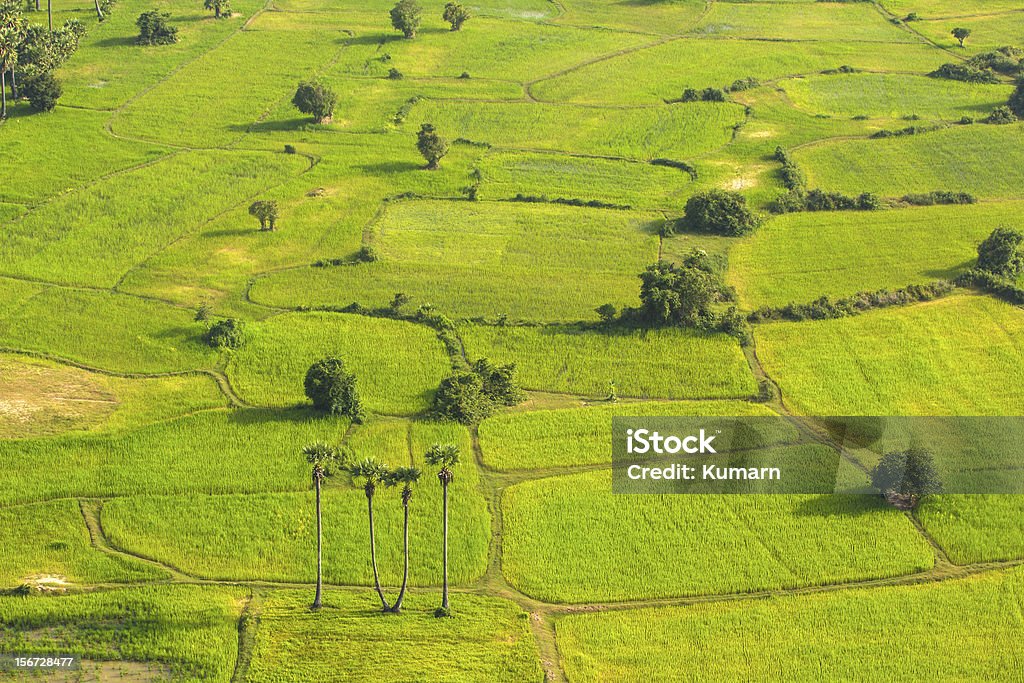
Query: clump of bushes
[679, 165]
[719, 212]
[367, 254]
[742, 84]
[984, 68]
[543, 199]
[42, 92]
[226, 334]
[154, 29]
[1003, 288]
[395, 75]
[1001, 116]
[1000, 253]
[332, 389]
[705, 95]
[826, 308]
[909, 130]
[938, 197]
[471, 396]
[800, 199]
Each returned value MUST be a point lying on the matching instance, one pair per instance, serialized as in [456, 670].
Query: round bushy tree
[316, 99]
[42, 92]
[154, 29]
[1000, 253]
[405, 17]
[461, 398]
[226, 334]
[720, 213]
[905, 477]
[332, 389]
[432, 146]
[456, 15]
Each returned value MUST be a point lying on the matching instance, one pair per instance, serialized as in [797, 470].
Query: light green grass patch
[45, 154]
[662, 72]
[801, 21]
[50, 541]
[16, 293]
[677, 132]
[579, 436]
[878, 634]
[188, 633]
[982, 159]
[800, 257]
[488, 640]
[989, 31]
[949, 8]
[397, 364]
[976, 528]
[93, 236]
[222, 451]
[894, 96]
[110, 331]
[630, 547]
[508, 173]
[529, 261]
[956, 356]
[271, 536]
[667, 17]
[666, 363]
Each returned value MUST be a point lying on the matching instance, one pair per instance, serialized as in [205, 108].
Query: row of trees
[29, 54]
[370, 473]
[407, 15]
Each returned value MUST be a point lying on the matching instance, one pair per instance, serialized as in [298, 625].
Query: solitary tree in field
[316, 99]
[407, 477]
[1000, 253]
[154, 28]
[221, 8]
[332, 389]
[446, 457]
[719, 212]
[405, 17]
[322, 458]
[432, 146]
[905, 477]
[265, 211]
[456, 15]
[371, 474]
[961, 34]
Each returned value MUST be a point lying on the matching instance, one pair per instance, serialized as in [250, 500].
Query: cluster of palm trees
[371, 474]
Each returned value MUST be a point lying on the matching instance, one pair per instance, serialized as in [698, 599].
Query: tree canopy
[1000, 253]
[456, 15]
[719, 212]
[332, 389]
[909, 475]
[405, 17]
[316, 99]
[432, 146]
[154, 29]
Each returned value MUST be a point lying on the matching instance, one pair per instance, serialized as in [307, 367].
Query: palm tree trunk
[444, 563]
[405, 572]
[14, 85]
[373, 556]
[318, 599]
[49, 13]
[3, 94]
[99, 12]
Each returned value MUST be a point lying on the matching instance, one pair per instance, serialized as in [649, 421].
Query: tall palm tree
[12, 29]
[406, 476]
[321, 457]
[446, 457]
[371, 474]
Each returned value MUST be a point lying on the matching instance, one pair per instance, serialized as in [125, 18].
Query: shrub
[226, 334]
[741, 84]
[290, 149]
[606, 312]
[938, 197]
[42, 92]
[332, 389]
[1000, 253]
[154, 29]
[1016, 102]
[721, 213]
[265, 211]
[499, 382]
[460, 398]
[906, 476]
[1001, 116]
[316, 99]
[825, 308]
[395, 75]
[672, 163]
[456, 15]
[367, 254]
[432, 146]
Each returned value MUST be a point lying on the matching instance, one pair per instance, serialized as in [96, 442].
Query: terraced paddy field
[157, 511]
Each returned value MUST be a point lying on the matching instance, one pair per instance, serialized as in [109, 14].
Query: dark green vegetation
[274, 233]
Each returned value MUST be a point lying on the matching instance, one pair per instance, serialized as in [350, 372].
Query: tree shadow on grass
[292, 125]
[116, 41]
[390, 167]
[949, 273]
[300, 414]
[840, 505]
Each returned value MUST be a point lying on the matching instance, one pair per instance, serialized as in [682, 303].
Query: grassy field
[955, 356]
[665, 546]
[799, 257]
[798, 20]
[894, 96]
[597, 254]
[186, 633]
[838, 636]
[647, 364]
[269, 369]
[578, 436]
[489, 641]
[270, 537]
[976, 528]
[982, 160]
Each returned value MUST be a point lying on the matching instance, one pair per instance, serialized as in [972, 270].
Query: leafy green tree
[456, 15]
[405, 17]
[332, 389]
[499, 382]
[154, 29]
[961, 34]
[221, 8]
[407, 477]
[432, 146]
[445, 457]
[12, 31]
[680, 295]
[399, 300]
[321, 458]
[226, 334]
[606, 312]
[265, 211]
[316, 99]
[720, 212]
[1000, 253]
[42, 92]
[42, 51]
[460, 398]
[1016, 102]
[905, 477]
[370, 474]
